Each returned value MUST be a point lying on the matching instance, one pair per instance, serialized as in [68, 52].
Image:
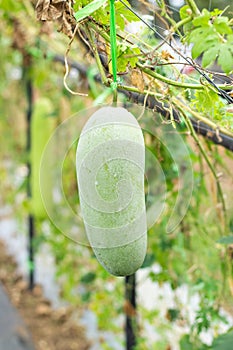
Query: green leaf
[173, 314]
[195, 34]
[223, 342]
[225, 58]
[222, 26]
[185, 343]
[216, 12]
[120, 21]
[231, 225]
[89, 9]
[88, 277]
[202, 20]
[226, 240]
[35, 52]
[203, 38]
[201, 46]
[206, 33]
[133, 60]
[127, 56]
[207, 101]
[86, 296]
[230, 38]
[11, 6]
[210, 56]
[184, 12]
[122, 11]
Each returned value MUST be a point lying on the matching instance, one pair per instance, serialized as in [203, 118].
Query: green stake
[113, 48]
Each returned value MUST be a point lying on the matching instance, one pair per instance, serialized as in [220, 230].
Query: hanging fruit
[110, 171]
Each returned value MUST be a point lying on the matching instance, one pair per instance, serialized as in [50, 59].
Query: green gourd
[110, 164]
[42, 126]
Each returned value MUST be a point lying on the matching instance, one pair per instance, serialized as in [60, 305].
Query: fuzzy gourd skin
[125, 260]
[110, 171]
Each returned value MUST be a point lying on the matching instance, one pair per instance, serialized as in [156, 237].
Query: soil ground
[50, 329]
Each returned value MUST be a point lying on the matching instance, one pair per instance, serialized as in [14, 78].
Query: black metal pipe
[130, 310]
[31, 224]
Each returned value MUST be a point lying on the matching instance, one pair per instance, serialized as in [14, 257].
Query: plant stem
[189, 125]
[176, 83]
[97, 58]
[193, 6]
[182, 22]
[144, 92]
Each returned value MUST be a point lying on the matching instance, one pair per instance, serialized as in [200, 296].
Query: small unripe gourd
[42, 126]
[110, 165]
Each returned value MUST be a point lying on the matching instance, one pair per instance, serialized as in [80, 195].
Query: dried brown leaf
[49, 10]
[137, 79]
[60, 10]
[42, 8]
[68, 21]
[166, 55]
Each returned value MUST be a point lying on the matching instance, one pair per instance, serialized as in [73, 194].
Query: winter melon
[42, 126]
[110, 163]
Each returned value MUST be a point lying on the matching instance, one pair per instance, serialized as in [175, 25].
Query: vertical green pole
[113, 48]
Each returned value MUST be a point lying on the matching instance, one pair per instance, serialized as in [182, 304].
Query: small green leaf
[226, 240]
[225, 58]
[230, 38]
[173, 314]
[231, 225]
[133, 60]
[89, 9]
[122, 11]
[210, 56]
[216, 12]
[200, 47]
[184, 12]
[185, 344]
[86, 296]
[222, 26]
[127, 56]
[35, 52]
[120, 21]
[11, 6]
[196, 34]
[88, 277]
[202, 20]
